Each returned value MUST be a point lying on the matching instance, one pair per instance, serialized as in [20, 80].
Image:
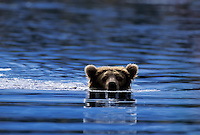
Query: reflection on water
[99, 108]
[123, 116]
[45, 45]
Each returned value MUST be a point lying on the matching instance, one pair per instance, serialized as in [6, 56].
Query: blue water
[45, 45]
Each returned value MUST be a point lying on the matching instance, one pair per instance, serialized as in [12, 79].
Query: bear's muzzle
[112, 86]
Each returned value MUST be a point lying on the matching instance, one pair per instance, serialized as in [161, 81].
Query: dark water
[45, 45]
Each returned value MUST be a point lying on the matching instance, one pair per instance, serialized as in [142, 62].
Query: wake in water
[18, 83]
[29, 84]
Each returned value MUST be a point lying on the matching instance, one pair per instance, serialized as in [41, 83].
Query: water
[45, 45]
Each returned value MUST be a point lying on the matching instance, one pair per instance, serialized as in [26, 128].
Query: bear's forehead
[112, 70]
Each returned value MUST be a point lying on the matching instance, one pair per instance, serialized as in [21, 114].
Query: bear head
[111, 78]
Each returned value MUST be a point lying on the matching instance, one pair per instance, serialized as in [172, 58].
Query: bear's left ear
[132, 69]
[90, 71]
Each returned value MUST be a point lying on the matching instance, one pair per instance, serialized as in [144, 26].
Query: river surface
[45, 45]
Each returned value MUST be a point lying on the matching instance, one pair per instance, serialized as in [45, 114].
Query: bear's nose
[112, 86]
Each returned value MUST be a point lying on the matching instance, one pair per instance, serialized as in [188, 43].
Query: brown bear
[111, 78]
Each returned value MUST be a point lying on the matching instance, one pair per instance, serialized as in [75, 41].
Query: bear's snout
[112, 83]
[112, 86]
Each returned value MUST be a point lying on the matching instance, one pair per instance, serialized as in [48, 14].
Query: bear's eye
[119, 78]
[104, 78]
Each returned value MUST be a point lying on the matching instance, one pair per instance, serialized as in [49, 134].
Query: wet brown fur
[122, 76]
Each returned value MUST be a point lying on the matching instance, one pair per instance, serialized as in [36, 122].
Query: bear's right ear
[132, 69]
[90, 71]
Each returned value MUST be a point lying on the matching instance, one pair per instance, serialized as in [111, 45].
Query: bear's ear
[132, 69]
[90, 71]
